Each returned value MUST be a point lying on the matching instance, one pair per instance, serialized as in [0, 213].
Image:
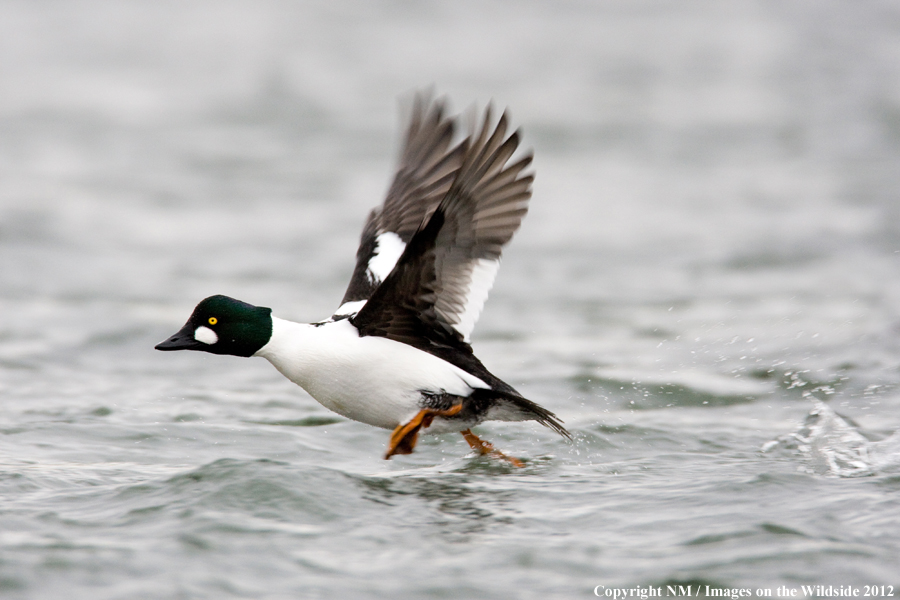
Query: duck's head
[223, 325]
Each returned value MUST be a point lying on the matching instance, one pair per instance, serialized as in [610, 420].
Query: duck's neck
[303, 352]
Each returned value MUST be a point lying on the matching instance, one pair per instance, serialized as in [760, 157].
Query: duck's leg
[482, 447]
[405, 435]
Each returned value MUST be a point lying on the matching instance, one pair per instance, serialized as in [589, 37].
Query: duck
[397, 354]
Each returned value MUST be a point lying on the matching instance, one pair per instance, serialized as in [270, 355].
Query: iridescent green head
[223, 325]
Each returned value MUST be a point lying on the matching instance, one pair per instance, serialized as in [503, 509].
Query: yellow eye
[213, 320]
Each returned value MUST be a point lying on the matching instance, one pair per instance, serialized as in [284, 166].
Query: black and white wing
[428, 165]
[434, 295]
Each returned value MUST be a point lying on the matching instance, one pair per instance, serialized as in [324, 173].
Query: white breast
[369, 379]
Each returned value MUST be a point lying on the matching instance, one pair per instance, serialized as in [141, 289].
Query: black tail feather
[540, 414]
[480, 402]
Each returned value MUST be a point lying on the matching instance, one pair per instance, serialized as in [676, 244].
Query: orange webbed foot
[404, 437]
[482, 447]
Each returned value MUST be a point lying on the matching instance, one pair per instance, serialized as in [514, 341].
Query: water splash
[834, 445]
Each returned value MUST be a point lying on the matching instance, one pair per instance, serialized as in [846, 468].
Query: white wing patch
[206, 335]
[481, 280]
[349, 308]
[388, 248]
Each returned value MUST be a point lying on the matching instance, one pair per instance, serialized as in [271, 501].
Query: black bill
[183, 340]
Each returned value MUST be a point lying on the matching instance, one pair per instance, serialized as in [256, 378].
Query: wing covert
[427, 167]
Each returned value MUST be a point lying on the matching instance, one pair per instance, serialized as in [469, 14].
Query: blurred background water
[707, 291]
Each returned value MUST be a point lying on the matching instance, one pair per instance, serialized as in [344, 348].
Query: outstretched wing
[434, 295]
[428, 165]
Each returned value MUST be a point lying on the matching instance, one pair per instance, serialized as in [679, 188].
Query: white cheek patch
[206, 335]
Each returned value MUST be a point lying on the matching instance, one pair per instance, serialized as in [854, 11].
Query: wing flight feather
[427, 167]
[434, 295]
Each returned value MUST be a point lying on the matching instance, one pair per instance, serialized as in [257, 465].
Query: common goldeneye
[396, 352]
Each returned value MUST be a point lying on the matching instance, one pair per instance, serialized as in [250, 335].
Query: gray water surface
[706, 290]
